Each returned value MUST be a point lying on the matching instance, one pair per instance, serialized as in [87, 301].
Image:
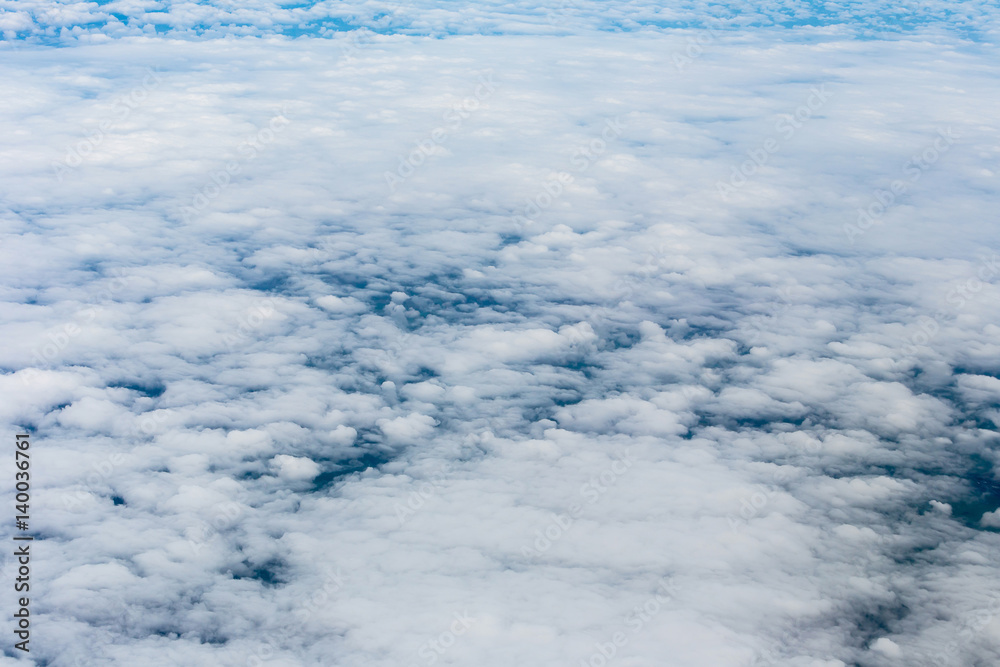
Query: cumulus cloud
[551, 398]
[295, 467]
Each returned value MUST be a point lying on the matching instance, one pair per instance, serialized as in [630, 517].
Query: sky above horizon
[59, 22]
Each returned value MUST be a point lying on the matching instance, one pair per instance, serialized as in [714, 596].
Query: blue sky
[50, 22]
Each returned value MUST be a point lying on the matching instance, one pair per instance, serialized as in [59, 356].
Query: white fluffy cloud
[295, 467]
[616, 364]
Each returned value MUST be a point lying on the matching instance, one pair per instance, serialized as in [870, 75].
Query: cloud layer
[504, 349]
[69, 21]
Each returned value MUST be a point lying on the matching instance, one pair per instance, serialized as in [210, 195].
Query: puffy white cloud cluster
[70, 20]
[285, 414]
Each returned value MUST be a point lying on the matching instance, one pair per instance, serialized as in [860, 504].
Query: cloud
[120, 18]
[304, 418]
[295, 468]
